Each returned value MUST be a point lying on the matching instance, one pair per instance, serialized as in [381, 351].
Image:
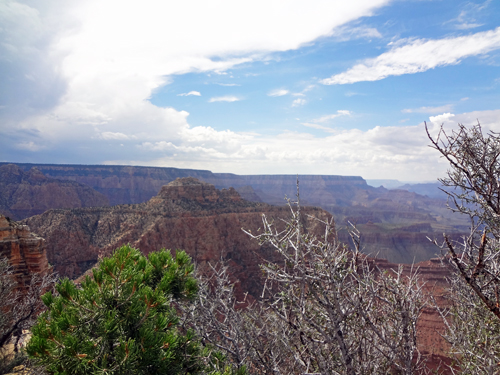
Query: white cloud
[467, 17]
[380, 152]
[418, 56]
[195, 93]
[315, 124]
[318, 126]
[278, 92]
[302, 93]
[429, 110]
[298, 102]
[108, 70]
[326, 118]
[228, 84]
[226, 98]
[111, 135]
[490, 120]
[345, 33]
[467, 25]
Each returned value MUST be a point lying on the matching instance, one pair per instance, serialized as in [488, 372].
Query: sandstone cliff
[186, 214]
[26, 251]
[23, 194]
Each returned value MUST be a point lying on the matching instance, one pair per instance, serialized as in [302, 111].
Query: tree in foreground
[473, 188]
[325, 309]
[122, 320]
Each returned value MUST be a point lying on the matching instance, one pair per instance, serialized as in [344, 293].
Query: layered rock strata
[27, 193]
[397, 214]
[187, 214]
[25, 251]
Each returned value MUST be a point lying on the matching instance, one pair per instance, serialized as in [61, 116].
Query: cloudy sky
[248, 87]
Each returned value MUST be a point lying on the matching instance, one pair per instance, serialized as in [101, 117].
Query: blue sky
[257, 87]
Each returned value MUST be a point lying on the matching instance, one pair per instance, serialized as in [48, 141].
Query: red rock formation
[23, 194]
[26, 251]
[186, 214]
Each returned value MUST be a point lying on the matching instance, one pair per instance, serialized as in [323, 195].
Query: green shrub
[122, 320]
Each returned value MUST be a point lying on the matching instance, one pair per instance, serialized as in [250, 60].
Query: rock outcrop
[23, 194]
[25, 251]
[186, 214]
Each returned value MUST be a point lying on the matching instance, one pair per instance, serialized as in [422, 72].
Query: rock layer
[23, 194]
[26, 251]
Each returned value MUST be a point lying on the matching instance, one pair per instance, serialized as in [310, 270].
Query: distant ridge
[28, 192]
[137, 184]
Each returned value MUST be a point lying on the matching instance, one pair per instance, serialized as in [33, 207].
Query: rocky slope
[26, 251]
[186, 214]
[28, 193]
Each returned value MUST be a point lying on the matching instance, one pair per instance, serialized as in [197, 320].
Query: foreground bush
[325, 309]
[473, 187]
[122, 320]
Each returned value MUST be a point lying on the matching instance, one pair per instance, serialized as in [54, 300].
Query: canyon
[395, 224]
[186, 214]
[194, 216]
[85, 212]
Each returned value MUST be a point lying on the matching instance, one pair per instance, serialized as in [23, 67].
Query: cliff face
[121, 184]
[127, 184]
[187, 214]
[23, 194]
[26, 251]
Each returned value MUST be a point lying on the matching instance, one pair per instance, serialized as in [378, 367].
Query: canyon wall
[28, 193]
[133, 184]
[393, 218]
[121, 184]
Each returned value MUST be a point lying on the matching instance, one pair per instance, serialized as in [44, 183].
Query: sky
[247, 87]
